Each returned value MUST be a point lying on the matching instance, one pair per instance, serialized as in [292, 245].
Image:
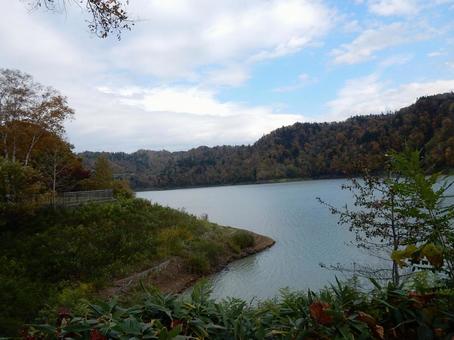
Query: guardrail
[75, 198]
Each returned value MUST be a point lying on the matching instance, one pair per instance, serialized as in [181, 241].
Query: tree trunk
[5, 146]
[395, 272]
[13, 156]
[54, 181]
[35, 140]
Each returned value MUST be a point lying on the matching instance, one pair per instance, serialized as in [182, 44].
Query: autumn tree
[60, 168]
[101, 177]
[28, 110]
[106, 17]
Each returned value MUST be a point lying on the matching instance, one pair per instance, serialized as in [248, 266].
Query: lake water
[305, 232]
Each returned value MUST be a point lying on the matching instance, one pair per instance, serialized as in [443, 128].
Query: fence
[75, 198]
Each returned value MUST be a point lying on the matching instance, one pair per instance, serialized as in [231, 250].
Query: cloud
[31, 43]
[373, 40]
[167, 117]
[113, 85]
[369, 94]
[407, 8]
[435, 54]
[400, 59]
[303, 80]
[394, 7]
[173, 39]
[232, 75]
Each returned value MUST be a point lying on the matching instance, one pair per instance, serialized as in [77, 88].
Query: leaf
[318, 311]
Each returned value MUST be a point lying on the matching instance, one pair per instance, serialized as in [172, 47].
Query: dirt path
[172, 276]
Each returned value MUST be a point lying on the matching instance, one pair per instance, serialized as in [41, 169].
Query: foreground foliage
[405, 215]
[339, 312]
[61, 256]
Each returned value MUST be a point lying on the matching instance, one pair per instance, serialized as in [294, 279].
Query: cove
[305, 232]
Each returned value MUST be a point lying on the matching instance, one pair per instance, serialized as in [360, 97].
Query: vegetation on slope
[302, 150]
[63, 255]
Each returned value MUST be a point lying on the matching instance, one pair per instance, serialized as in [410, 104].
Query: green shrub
[198, 263]
[209, 248]
[233, 246]
[243, 239]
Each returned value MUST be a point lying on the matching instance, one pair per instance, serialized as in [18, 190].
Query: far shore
[448, 172]
[271, 181]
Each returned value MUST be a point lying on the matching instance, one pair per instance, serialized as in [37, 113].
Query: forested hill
[300, 151]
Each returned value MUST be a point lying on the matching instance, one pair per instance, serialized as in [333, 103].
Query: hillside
[303, 150]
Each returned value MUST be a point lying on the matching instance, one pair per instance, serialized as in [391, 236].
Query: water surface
[305, 232]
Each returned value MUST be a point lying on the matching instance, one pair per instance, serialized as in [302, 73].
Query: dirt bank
[172, 276]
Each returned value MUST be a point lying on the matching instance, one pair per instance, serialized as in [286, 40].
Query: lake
[305, 232]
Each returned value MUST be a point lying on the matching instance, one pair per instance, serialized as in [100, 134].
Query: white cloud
[232, 75]
[176, 38]
[373, 40]
[394, 7]
[30, 43]
[209, 43]
[388, 8]
[435, 54]
[369, 94]
[393, 60]
[169, 117]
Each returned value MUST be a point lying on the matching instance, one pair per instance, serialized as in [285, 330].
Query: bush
[121, 189]
[243, 239]
[198, 264]
[172, 239]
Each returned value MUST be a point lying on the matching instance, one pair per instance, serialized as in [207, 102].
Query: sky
[204, 72]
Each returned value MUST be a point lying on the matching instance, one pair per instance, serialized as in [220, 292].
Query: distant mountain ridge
[302, 150]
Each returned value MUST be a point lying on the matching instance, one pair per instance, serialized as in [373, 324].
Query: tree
[103, 176]
[18, 183]
[28, 110]
[430, 211]
[21, 190]
[106, 16]
[61, 169]
[405, 214]
[378, 219]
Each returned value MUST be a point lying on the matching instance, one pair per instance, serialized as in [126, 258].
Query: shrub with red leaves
[319, 313]
[96, 335]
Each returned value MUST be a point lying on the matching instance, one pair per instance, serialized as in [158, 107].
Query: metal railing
[75, 198]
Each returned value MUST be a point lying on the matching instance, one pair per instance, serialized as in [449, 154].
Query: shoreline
[446, 172]
[271, 181]
[171, 275]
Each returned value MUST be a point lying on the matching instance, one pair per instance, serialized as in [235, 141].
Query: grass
[62, 257]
